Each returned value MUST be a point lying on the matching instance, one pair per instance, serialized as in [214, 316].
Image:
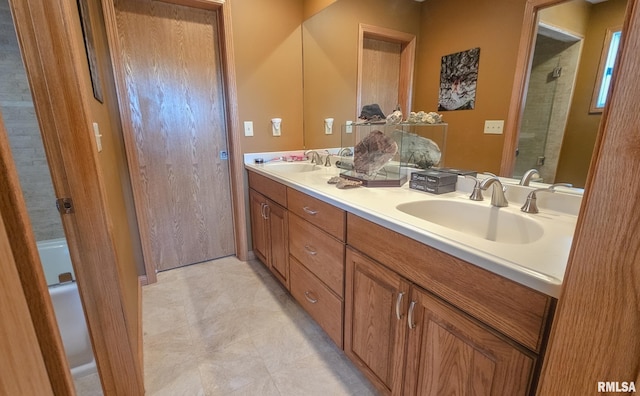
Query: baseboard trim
[142, 280]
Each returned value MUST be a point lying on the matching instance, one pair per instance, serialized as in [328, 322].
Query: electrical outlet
[493, 127]
[248, 128]
[349, 127]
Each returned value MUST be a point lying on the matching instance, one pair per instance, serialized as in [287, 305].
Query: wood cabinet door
[449, 353]
[375, 321]
[259, 232]
[278, 223]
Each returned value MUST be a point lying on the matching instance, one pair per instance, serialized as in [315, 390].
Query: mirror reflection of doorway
[553, 72]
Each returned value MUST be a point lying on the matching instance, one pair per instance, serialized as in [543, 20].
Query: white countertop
[539, 265]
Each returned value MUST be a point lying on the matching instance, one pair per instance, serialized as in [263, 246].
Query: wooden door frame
[60, 86]
[27, 283]
[236, 165]
[594, 336]
[524, 58]
[407, 42]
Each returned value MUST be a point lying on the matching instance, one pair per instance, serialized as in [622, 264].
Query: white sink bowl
[292, 167]
[481, 221]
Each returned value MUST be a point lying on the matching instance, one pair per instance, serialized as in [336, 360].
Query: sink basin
[481, 221]
[292, 167]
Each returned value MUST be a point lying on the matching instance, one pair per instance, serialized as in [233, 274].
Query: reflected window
[605, 71]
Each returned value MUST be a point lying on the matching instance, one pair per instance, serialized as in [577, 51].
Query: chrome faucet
[531, 206]
[497, 198]
[528, 175]
[315, 157]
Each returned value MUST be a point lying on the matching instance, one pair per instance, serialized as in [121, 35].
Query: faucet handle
[327, 160]
[476, 195]
[531, 206]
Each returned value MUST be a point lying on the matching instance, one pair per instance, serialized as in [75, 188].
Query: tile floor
[227, 327]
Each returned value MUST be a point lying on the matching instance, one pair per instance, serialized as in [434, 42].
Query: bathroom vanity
[419, 307]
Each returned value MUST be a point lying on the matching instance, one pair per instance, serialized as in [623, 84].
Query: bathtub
[54, 255]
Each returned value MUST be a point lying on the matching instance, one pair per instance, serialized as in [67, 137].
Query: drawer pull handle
[312, 300]
[310, 250]
[412, 306]
[310, 211]
[398, 303]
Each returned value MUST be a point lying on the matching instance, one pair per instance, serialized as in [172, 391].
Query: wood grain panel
[31, 346]
[22, 364]
[259, 231]
[451, 354]
[326, 310]
[278, 220]
[515, 310]
[381, 73]
[273, 190]
[320, 253]
[174, 86]
[374, 335]
[321, 214]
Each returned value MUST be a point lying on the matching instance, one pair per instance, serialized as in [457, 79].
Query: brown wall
[582, 127]
[312, 7]
[458, 25]
[115, 175]
[330, 41]
[268, 60]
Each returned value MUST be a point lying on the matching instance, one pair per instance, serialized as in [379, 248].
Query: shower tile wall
[22, 127]
[547, 106]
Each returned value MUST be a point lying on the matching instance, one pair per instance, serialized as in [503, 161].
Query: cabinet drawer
[317, 300]
[515, 310]
[271, 189]
[319, 252]
[327, 217]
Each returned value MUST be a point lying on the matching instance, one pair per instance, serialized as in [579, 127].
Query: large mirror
[562, 153]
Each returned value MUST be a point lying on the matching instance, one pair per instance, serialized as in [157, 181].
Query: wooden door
[449, 353]
[259, 231]
[175, 93]
[381, 73]
[386, 60]
[375, 321]
[277, 218]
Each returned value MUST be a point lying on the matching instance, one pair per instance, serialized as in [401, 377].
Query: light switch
[349, 127]
[96, 132]
[493, 127]
[248, 128]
